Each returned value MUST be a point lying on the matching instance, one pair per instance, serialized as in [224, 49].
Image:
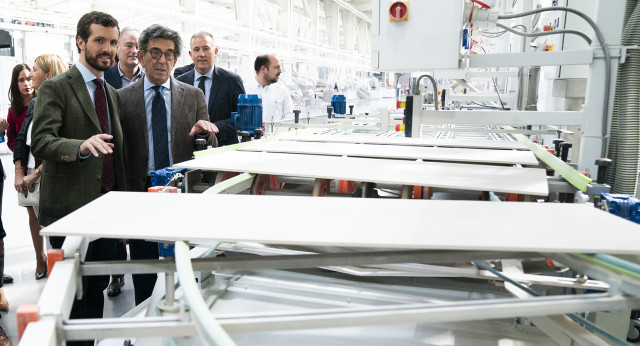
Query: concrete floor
[20, 260]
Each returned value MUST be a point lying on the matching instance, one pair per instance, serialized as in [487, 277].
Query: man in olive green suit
[77, 133]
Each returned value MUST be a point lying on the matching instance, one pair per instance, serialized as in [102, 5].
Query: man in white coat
[276, 99]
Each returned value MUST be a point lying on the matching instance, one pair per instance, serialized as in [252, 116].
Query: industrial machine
[480, 223]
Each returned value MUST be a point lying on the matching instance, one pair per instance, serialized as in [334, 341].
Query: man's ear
[80, 42]
[140, 55]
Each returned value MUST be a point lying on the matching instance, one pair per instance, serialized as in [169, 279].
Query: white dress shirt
[88, 78]
[276, 100]
[207, 82]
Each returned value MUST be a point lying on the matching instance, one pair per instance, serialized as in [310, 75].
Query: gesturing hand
[97, 145]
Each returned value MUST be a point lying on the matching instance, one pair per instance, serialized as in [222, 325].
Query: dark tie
[108, 177]
[201, 84]
[159, 127]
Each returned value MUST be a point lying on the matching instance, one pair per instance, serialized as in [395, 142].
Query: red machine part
[399, 11]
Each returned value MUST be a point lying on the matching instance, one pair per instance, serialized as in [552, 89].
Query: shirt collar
[87, 75]
[209, 73]
[257, 84]
[137, 74]
[149, 85]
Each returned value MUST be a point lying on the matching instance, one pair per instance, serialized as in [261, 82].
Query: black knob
[329, 111]
[296, 114]
[258, 134]
[556, 143]
[564, 148]
[245, 136]
[602, 163]
[201, 144]
[351, 109]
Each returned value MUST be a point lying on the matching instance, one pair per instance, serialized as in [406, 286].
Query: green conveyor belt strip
[610, 265]
[233, 147]
[223, 185]
[574, 177]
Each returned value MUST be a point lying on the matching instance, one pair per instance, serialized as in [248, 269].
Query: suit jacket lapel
[177, 98]
[112, 99]
[191, 77]
[140, 112]
[80, 89]
[215, 86]
[114, 114]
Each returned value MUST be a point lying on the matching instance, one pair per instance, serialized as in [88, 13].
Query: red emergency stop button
[399, 11]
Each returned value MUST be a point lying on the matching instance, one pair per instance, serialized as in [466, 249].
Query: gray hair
[202, 34]
[128, 29]
[158, 31]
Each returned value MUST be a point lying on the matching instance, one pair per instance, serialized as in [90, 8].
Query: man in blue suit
[127, 70]
[221, 87]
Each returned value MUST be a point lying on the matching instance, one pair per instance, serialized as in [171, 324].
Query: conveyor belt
[529, 181]
[386, 223]
[509, 157]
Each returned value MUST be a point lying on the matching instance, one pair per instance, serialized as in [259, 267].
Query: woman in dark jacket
[27, 168]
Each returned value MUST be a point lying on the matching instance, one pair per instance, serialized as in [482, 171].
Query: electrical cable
[607, 57]
[496, 34]
[495, 87]
[545, 33]
[495, 84]
[584, 322]
[416, 90]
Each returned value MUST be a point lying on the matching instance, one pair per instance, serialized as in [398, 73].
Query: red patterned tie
[108, 178]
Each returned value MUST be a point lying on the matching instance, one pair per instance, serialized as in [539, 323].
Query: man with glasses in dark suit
[161, 119]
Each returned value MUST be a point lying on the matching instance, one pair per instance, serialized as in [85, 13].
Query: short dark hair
[159, 31]
[84, 24]
[262, 60]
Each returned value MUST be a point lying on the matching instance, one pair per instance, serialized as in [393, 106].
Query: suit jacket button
[100, 155]
[98, 176]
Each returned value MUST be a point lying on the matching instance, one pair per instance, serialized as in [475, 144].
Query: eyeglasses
[156, 54]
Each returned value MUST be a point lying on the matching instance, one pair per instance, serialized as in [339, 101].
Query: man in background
[220, 87]
[128, 69]
[276, 98]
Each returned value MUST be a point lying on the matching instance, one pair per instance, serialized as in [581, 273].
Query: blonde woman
[28, 169]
